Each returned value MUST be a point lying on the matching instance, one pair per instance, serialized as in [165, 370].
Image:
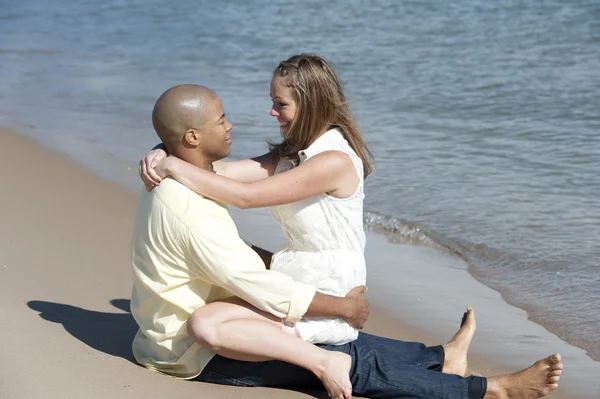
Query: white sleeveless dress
[326, 242]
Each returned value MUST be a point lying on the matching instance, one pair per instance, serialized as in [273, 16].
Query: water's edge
[400, 231]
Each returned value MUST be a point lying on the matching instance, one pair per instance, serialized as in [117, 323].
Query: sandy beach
[65, 288]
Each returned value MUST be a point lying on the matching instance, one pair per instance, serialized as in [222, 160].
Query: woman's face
[284, 106]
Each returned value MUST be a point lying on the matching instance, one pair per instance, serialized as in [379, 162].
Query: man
[186, 253]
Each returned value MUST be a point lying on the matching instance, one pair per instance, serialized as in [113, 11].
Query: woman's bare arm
[324, 173]
[248, 170]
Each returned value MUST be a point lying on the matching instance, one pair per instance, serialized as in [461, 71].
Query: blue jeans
[381, 368]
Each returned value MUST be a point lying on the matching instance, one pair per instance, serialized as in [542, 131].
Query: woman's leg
[236, 330]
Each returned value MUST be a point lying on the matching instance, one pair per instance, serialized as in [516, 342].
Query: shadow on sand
[111, 333]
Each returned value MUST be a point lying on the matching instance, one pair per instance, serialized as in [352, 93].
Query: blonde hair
[320, 106]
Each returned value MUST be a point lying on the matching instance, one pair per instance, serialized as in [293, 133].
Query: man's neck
[198, 160]
[206, 165]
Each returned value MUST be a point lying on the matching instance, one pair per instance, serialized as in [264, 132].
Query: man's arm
[223, 259]
[354, 308]
[220, 257]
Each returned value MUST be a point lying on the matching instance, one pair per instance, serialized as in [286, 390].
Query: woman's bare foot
[334, 373]
[455, 359]
[534, 382]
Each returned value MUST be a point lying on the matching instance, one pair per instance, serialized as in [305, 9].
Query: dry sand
[65, 287]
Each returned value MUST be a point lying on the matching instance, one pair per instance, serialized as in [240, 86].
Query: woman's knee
[203, 325]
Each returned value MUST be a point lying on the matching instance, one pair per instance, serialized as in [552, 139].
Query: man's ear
[192, 137]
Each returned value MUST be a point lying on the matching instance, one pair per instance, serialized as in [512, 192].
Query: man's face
[215, 133]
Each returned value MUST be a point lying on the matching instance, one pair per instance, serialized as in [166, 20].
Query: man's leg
[377, 372]
[450, 358]
[407, 353]
[274, 373]
[382, 370]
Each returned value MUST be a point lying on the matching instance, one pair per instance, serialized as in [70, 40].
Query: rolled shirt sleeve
[224, 259]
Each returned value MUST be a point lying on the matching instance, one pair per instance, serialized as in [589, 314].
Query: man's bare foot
[534, 382]
[334, 373]
[455, 360]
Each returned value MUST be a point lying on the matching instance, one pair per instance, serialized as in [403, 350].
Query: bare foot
[334, 373]
[455, 360]
[534, 382]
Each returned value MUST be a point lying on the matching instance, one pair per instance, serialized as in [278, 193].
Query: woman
[313, 182]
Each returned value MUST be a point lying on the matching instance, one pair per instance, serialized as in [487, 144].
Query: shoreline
[65, 245]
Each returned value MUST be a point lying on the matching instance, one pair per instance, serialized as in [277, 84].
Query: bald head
[179, 109]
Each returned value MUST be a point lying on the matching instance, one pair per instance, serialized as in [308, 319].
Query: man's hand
[358, 307]
[353, 308]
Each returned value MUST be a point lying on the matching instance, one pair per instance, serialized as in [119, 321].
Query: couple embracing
[211, 308]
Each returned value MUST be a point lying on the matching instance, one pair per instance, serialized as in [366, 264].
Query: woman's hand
[148, 174]
[163, 169]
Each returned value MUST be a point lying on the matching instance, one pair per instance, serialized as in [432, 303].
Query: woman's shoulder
[331, 140]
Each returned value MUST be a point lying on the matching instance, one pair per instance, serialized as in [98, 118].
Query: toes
[469, 313]
[556, 366]
[464, 318]
[552, 380]
[553, 362]
[555, 373]
[348, 393]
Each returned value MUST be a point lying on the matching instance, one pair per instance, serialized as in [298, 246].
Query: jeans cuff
[441, 353]
[440, 357]
[477, 387]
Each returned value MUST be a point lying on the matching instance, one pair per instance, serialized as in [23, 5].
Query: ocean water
[484, 117]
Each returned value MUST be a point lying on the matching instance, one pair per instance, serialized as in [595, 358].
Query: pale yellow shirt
[186, 252]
